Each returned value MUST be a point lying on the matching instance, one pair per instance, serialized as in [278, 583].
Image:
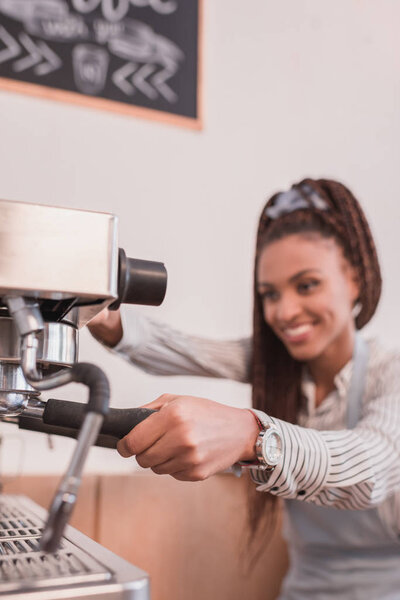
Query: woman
[325, 431]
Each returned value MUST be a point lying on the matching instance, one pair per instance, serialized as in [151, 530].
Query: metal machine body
[80, 569]
[67, 260]
[59, 267]
[63, 257]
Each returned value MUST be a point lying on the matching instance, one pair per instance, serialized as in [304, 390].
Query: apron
[341, 554]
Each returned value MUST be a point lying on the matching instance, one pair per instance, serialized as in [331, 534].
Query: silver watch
[269, 443]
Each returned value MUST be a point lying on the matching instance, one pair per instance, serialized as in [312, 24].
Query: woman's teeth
[296, 331]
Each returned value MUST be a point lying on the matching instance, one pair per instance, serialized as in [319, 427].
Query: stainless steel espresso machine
[58, 268]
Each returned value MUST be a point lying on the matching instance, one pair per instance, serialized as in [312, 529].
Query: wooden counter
[190, 537]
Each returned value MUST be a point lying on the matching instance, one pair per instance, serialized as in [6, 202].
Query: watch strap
[264, 423]
[264, 420]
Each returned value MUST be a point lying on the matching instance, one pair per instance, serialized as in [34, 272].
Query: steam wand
[29, 322]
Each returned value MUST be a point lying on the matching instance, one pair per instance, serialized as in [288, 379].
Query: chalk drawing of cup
[90, 68]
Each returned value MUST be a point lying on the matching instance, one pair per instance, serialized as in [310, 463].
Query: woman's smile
[297, 334]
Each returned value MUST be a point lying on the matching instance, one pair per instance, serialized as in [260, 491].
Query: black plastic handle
[117, 422]
[35, 424]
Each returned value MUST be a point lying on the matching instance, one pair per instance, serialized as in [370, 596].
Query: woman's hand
[106, 326]
[191, 438]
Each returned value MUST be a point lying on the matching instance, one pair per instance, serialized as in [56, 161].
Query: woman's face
[308, 290]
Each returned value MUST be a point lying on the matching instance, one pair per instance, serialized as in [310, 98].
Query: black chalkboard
[141, 54]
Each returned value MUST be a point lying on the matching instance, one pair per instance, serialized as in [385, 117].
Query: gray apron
[341, 554]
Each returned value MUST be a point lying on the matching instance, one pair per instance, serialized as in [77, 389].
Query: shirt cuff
[134, 332]
[304, 466]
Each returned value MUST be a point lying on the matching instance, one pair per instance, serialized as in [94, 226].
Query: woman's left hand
[191, 438]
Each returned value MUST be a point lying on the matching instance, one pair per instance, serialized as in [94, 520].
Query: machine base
[80, 569]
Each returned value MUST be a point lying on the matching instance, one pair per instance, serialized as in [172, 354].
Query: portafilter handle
[65, 418]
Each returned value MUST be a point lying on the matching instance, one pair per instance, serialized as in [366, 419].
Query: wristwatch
[269, 446]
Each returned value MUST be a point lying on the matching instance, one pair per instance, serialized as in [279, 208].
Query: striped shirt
[324, 462]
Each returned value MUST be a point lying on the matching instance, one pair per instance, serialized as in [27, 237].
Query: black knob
[140, 281]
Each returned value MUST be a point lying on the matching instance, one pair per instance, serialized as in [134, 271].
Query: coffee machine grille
[22, 561]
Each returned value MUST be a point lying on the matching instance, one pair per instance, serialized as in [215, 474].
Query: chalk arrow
[37, 53]
[159, 79]
[138, 81]
[53, 61]
[12, 48]
[34, 57]
[120, 76]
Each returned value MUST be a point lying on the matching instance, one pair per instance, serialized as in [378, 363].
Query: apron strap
[357, 383]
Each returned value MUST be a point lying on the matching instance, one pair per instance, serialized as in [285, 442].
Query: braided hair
[276, 376]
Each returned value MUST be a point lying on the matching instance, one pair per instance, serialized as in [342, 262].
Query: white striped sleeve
[304, 467]
[357, 468]
[160, 350]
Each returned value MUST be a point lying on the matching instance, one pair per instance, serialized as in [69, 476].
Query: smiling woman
[323, 433]
[308, 290]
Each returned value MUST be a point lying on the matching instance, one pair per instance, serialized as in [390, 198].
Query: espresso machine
[59, 267]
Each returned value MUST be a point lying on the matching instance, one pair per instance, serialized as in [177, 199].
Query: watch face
[272, 447]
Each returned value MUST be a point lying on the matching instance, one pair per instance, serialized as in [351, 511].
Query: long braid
[362, 251]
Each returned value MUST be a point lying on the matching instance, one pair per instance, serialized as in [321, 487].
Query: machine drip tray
[80, 568]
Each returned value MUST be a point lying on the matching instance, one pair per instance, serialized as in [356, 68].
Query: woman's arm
[353, 468]
[161, 350]
[192, 438]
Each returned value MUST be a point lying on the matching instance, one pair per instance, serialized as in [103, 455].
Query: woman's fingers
[160, 402]
[173, 451]
[145, 435]
[191, 438]
[187, 463]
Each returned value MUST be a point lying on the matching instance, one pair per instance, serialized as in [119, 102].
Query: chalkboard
[132, 56]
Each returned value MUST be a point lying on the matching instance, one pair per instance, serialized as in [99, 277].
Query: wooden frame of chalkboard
[135, 57]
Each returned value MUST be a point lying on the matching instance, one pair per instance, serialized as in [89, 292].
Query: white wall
[295, 88]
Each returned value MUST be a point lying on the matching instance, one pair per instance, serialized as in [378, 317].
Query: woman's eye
[307, 286]
[269, 295]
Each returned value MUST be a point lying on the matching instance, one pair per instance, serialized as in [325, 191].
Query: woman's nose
[287, 309]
